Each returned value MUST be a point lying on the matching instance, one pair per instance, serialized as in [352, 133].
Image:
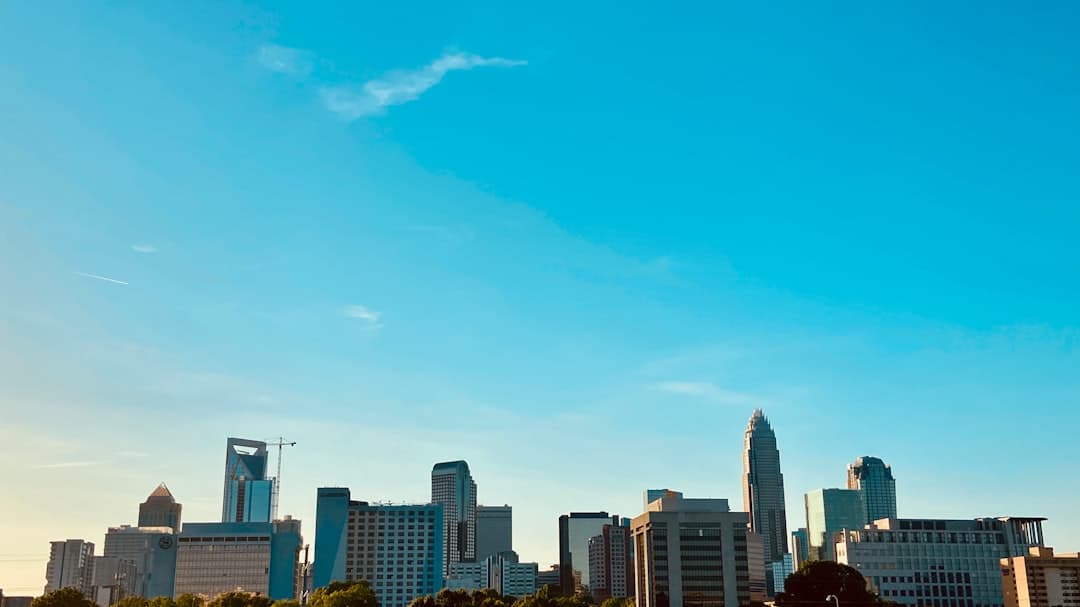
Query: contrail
[105, 278]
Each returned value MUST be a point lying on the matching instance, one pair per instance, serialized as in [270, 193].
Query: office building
[160, 510]
[113, 579]
[760, 572]
[453, 488]
[70, 566]
[548, 577]
[260, 558]
[874, 481]
[651, 495]
[500, 572]
[249, 492]
[396, 548]
[1041, 578]
[827, 512]
[611, 563]
[17, 601]
[575, 529]
[494, 530]
[781, 570]
[763, 489]
[936, 562]
[152, 550]
[691, 553]
[800, 547]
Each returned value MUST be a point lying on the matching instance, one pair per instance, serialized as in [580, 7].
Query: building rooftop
[162, 492]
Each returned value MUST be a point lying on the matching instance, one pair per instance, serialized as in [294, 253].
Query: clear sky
[572, 243]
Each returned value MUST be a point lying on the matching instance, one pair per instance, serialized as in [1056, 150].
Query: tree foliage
[240, 599]
[65, 597]
[162, 601]
[132, 601]
[286, 603]
[344, 594]
[614, 602]
[547, 596]
[189, 600]
[817, 580]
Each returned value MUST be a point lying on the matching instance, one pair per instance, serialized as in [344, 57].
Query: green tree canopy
[132, 601]
[614, 602]
[344, 594]
[189, 600]
[162, 601]
[817, 580]
[240, 599]
[65, 597]
[286, 603]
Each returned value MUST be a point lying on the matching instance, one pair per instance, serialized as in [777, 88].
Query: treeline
[548, 596]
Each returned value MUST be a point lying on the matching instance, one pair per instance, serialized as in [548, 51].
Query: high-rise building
[71, 565]
[575, 529]
[548, 577]
[760, 573]
[249, 492]
[827, 512]
[935, 562]
[691, 552]
[781, 570]
[874, 481]
[453, 488]
[800, 547]
[160, 510]
[1041, 578]
[114, 578]
[611, 572]
[494, 530]
[500, 572]
[152, 550]
[763, 490]
[651, 495]
[396, 548]
[260, 558]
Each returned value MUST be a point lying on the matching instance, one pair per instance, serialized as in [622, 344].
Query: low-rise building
[1041, 578]
[260, 558]
[153, 550]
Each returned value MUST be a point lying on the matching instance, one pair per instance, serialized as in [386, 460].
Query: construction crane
[280, 444]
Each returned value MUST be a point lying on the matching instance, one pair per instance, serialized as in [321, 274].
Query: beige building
[691, 553]
[1041, 579]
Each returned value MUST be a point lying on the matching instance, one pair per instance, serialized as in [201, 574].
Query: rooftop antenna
[281, 442]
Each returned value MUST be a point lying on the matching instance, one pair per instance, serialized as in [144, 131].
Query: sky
[574, 244]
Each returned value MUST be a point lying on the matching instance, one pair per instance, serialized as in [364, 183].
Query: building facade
[152, 550]
[936, 562]
[827, 512]
[575, 529]
[763, 489]
[800, 547]
[114, 578]
[781, 570]
[249, 492]
[1041, 578]
[396, 548]
[874, 481]
[71, 565]
[691, 553]
[453, 488]
[494, 530]
[548, 577]
[651, 495]
[611, 563]
[500, 572]
[160, 510]
[260, 558]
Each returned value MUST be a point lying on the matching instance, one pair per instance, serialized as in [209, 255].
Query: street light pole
[834, 599]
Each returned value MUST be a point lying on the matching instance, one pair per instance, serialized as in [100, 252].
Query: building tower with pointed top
[453, 488]
[874, 481]
[249, 492]
[763, 490]
[160, 510]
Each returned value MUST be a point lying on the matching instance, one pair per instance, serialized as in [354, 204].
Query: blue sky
[572, 244]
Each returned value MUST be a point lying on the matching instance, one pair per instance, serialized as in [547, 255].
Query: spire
[758, 420]
[162, 491]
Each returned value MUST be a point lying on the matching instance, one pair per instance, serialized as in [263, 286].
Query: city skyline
[549, 226]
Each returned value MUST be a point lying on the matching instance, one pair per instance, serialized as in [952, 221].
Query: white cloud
[285, 60]
[144, 248]
[79, 464]
[709, 391]
[369, 316]
[402, 86]
[104, 278]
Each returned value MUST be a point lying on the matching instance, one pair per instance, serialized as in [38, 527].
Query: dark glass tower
[763, 489]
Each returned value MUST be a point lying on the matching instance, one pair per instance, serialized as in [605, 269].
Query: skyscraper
[827, 512]
[160, 510]
[763, 489]
[453, 488]
[575, 529]
[248, 495]
[873, 479]
[71, 565]
[611, 571]
[494, 530]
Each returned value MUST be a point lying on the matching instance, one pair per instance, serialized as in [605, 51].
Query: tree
[65, 597]
[132, 601]
[817, 580]
[344, 594]
[163, 601]
[617, 602]
[240, 599]
[189, 600]
[286, 603]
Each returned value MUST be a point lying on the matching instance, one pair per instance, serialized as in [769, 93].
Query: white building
[500, 572]
[70, 566]
[114, 578]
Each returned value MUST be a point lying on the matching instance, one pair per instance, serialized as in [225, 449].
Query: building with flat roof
[114, 579]
[611, 572]
[70, 566]
[938, 562]
[827, 512]
[260, 558]
[453, 487]
[152, 550]
[500, 572]
[874, 481]
[494, 530]
[651, 495]
[695, 555]
[575, 529]
[1041, 578]
[160, 509]
[396, 548]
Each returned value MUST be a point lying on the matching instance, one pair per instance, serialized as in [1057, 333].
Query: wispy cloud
[362, 313]
[105, 278]
[77, 464]
[144, 248]
[708, 391]
[131, 454]
[402, 86]
[285, 60]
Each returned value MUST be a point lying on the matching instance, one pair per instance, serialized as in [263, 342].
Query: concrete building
[70, 566]
[827, 512]
[611, 572]
[494, 530]
[575, 529]
[500, 572]
[800, 547]
[160, 510]
[17, 601]
[113, 579]
[936, 562]
[548, 577]
[152, 550]
[453, 488]
[760, 572]
[249, 493]
[260, 558]
[691, 553]
[763, 489]
[396, 548]
[874, 481]
[781, 570]
[651, 495]
[1041, 578]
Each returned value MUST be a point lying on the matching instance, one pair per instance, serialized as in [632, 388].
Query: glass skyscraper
[453, 488]
[827, 512]
[763, 490]
[873, 479]
[575, 530]
[249, 492]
